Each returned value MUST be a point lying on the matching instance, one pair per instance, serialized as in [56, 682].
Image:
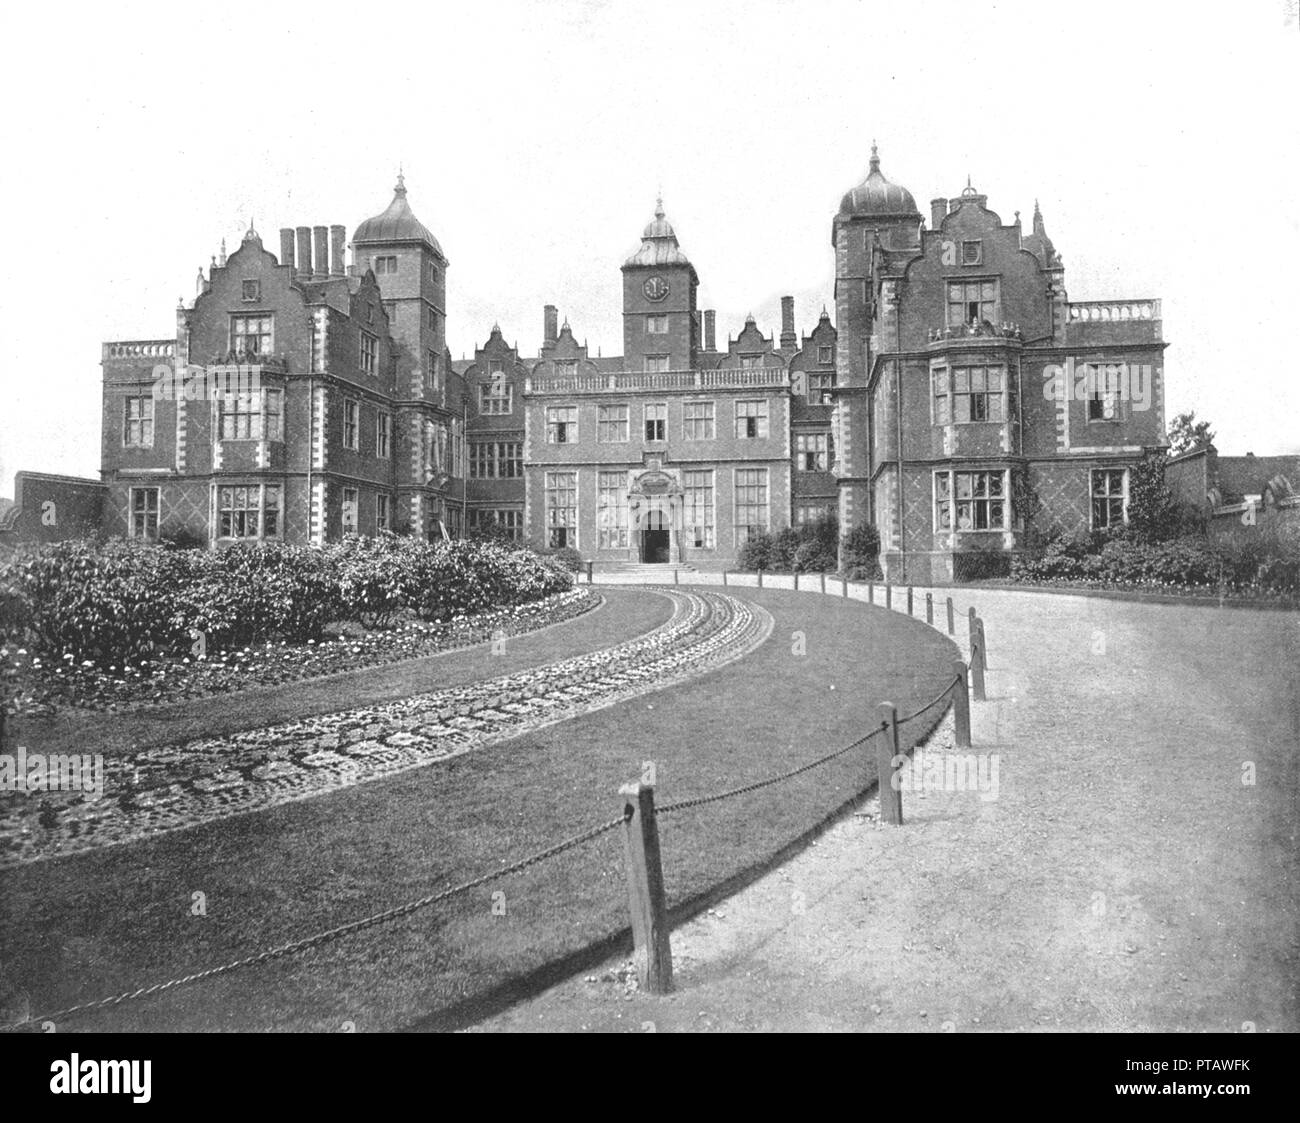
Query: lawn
[92, 925]
[625, 614]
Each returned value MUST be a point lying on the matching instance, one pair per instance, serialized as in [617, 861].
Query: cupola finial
[875, 156]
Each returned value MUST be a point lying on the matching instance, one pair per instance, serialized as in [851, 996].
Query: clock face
[656, 288]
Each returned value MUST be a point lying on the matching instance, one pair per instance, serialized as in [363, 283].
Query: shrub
[755, 554]
[862, 550]
[815, 557]
[110, 604]
[808, 547]
[127, 603]
[1257, 563]
[368, 576]
[570, 558]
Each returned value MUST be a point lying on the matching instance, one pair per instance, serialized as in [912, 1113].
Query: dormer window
[252, 290]
[751, 362]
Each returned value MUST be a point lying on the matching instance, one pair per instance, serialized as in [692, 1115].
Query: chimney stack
[320, 263]
[302, 267]
[338, 243]
[938, 212]
[710, 330]
[550, 325]
[789, 340]
[286, 246]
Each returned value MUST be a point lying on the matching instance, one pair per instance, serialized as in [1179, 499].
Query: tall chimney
[938, 212]
[789, 340]
[550, 325]
[286, 246]
[338, 240]
[302, 267]
[320, 263]
[710, 330]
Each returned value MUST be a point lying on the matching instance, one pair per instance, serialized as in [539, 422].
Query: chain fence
[385, 916]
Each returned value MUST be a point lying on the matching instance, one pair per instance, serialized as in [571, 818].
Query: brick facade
[954, 381]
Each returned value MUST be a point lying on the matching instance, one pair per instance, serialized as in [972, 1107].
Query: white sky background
[1161, 140]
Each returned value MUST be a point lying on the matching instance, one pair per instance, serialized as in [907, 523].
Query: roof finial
[400, 189]
[875, 156]
[659, 203]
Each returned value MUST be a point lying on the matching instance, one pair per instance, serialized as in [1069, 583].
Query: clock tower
[661, 328]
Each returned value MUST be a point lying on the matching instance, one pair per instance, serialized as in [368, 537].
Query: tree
[1186, 433]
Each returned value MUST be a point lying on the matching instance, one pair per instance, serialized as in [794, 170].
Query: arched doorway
[656, 536]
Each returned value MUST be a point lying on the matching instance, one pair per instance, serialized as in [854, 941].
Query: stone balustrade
[1113, 311]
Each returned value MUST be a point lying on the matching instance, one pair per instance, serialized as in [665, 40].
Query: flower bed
[43, 683]
[1254, 569]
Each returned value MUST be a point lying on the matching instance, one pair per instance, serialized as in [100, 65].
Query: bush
[458, 578]
[808, 547]
[568, 557]
[862, 551]
[127, 603]
[110, 604]
[1259, 563]
[368, 576]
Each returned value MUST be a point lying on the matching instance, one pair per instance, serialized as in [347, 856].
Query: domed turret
[397, 224]
[876, 197]
[658, 243]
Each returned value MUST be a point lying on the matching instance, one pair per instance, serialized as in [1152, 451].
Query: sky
[1161, 141]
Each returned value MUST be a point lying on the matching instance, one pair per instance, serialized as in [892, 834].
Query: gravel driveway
[1136, 870]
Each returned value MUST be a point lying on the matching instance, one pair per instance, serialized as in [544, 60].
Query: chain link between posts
[399, 911]
[328, 936]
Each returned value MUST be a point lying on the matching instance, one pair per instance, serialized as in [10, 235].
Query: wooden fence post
[871, 592]
[823, 580]
[889, 594]
[676, 578]
[845, 581]
[951, 627]
[645, 889]
[796, 580]
[760, 578]
[589, 573]
[977, 667]
[724, 578]
[909, 600]
[929, 608]
[961, 705]
[971, 625]
[984, 647]
[891, 799]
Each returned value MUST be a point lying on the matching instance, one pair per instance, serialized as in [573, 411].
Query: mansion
[952, 395]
